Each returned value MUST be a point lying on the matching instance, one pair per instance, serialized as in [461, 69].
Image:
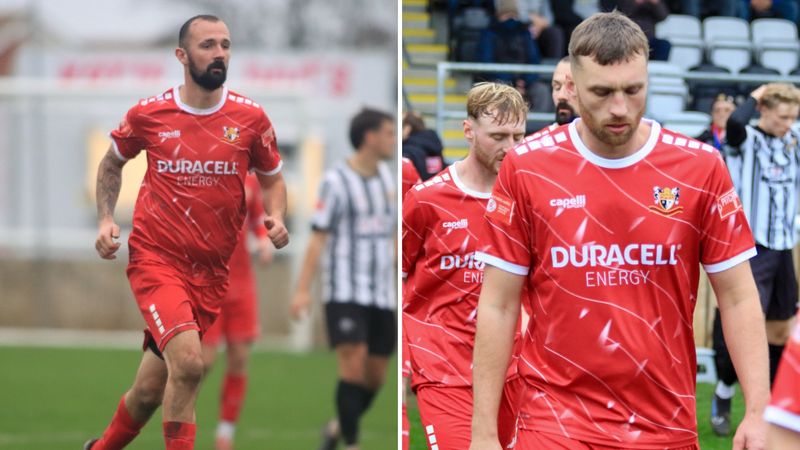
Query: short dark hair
[185, 27]
[608, 38]
[365, 121]
[414, 121]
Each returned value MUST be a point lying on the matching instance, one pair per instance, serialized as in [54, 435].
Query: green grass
[708, 440]
[57, 398]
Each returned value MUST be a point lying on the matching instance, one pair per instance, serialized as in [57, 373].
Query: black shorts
[773, 271]
[353, 323]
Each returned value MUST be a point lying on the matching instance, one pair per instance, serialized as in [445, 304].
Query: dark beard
[208, 80]
[565, 117]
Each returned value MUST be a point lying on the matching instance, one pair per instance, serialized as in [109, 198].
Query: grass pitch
[54, 399]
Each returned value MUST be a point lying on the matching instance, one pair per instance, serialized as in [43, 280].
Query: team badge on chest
[230, 134]
[666, 201]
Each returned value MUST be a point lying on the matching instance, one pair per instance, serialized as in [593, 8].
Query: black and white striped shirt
[360, 215]
[764, 169]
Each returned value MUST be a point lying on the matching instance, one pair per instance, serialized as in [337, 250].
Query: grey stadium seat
[684, 33]
[776, 44]
[728, 43]
[690, 123]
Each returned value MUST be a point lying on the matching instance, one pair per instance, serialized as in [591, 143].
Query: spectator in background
[422, 146]
[508, 41]
[569, 13]
[703, 8]
[646, 14]
[769, 9]
[548, 35]
[721, 109]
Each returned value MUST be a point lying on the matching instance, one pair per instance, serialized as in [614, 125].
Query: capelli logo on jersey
[230, 134]
[172, 134]
[666, 200]
[579, 201]
[456, 224]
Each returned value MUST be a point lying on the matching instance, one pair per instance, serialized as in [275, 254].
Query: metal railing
[444, 68]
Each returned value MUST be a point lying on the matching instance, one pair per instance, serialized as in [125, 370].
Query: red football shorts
[536, 440]
[238, 319]
[169, 304]
[446, 416]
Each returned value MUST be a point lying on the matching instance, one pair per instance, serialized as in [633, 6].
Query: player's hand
[300, 305]
[751, 434]
[264, 251]
[277, 232]
[106, 244]
[759, 92]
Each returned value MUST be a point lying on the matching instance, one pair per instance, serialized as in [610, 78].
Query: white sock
[225, 430]
[724, 391]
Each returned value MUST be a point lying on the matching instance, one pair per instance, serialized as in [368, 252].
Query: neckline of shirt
[618, 163]
[460, 184]
[176, 94]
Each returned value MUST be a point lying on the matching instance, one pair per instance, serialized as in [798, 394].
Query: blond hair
[500, 101]
[777, 93]
[608, 38]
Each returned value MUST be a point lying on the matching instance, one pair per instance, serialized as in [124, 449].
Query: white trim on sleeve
[116, 151]
[271, 172]
[783, 418]
[516, 269]
[727, 264]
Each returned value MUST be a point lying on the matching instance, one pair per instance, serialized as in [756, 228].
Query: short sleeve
[726, 239]
[507, 230]
[414, 231]
[330, 207]
[126, 139]
[265, 158]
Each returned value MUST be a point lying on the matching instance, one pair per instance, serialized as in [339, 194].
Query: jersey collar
[619, 163]
[460, 184]
[200, 112]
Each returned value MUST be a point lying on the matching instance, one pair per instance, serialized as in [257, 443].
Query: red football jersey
[239, 263]
[784, 408]
[443, 280]
[410, 176]
[610, 250]
[191, 204]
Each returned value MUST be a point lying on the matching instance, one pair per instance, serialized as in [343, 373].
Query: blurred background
[69, 71]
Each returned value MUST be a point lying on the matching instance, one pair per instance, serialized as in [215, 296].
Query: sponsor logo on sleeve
[500, 208]
[728, 203]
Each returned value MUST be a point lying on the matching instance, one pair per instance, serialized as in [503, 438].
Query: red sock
[233, 388]
[179, 435]
[120, 431]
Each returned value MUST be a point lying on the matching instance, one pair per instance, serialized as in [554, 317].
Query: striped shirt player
[359, 213]
[609, 257]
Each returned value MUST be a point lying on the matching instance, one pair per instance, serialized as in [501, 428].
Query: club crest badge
[666, 201]
[230, 134]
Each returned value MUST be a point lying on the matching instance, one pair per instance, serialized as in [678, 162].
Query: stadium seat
[665, 100]
[690, 123]
[465, 33]
[684, 33]
[727, 42]
[704, 92]
[776, 45]
[663, 73]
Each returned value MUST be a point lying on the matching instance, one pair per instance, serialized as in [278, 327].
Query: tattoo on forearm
[109, 180]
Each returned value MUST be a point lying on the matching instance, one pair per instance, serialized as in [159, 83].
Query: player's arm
[746, 338]
[498, 310]
[780, 438]
[273, 190]
[302, 296]
[109, 182]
